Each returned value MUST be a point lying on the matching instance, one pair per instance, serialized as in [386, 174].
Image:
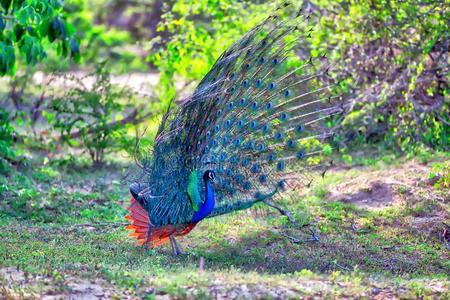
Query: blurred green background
[128, 59]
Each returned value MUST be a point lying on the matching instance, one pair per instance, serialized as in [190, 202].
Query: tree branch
[7, 17]
[131, 118]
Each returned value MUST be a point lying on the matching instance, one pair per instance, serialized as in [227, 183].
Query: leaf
[44, 27]
[6, 4]
[19, 31]
[2, 22]
[49, 116]
[31, 31]
[65, 48]
[74, 48]
[59, 28]
[7, 58]
[32, 49]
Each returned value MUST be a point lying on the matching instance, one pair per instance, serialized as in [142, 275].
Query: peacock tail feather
[259, 119]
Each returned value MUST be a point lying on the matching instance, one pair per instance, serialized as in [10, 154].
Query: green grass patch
[61, 224]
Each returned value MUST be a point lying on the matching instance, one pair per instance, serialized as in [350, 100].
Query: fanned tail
[147, 234]
[266, 116]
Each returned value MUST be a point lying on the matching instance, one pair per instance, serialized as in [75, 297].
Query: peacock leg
[282, 211]
[179, 250]
[174, 248]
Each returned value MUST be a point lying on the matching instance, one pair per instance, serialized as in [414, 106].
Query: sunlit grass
[61, 223]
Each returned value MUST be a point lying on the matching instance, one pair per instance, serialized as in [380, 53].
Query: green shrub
[391, 54]
[6, 140]
[440, 174]
[199, 31]
[94, 118]
[45, 174]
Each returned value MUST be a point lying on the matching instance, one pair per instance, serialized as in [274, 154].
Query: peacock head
[209, 176]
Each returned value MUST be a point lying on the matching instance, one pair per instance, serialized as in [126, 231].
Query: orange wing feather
[146, 234]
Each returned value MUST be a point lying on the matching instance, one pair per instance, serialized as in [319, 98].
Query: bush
[440, 175]
[6, 139]
[393, 56]
[93, 117]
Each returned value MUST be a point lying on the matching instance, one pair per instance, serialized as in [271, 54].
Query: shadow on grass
[108, 252]
[347, 251]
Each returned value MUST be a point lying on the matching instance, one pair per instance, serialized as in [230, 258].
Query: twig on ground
[314, 237]
[355, 229]
[388, 247]
[341, 267]
[291, 238]
[282, 211]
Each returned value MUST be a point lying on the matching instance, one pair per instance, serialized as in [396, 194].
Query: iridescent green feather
[193, 190]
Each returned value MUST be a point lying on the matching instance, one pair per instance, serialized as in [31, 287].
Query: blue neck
[207, 207]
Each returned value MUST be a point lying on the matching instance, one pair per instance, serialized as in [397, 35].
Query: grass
[61, 233]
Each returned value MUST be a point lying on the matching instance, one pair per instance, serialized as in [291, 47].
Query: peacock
[258, 121]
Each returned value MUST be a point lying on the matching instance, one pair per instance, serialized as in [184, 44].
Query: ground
[376, 228]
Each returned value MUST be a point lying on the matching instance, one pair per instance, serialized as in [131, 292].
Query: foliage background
[393, 54]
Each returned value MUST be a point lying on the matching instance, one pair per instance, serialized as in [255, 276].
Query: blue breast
[207, 207]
